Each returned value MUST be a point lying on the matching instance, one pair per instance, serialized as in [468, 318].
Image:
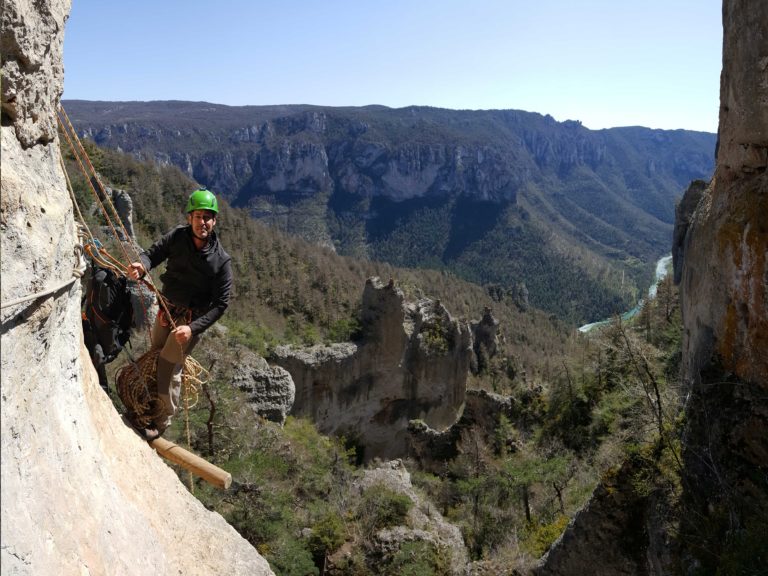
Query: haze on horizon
[653, 63]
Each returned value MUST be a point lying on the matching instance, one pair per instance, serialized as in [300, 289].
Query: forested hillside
[289, 290]
[497, 197]
[558, 412]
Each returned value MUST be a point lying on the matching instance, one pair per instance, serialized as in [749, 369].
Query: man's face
[202, 222]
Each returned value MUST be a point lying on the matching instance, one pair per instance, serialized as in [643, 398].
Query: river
[662, 269]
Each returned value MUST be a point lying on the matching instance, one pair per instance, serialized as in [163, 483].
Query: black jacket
[198, 279]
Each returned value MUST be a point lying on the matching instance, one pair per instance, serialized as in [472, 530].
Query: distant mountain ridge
[499, 196]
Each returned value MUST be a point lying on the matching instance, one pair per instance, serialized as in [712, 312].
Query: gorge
[81, 494]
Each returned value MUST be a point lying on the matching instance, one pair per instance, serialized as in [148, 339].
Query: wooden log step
[198, 466]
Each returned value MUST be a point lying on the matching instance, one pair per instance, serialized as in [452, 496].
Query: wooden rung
[202, 468]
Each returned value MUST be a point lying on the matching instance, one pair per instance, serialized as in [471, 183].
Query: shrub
[327, 535]
[291, 558]
[541, 536]
[419, 558]
[382, 507]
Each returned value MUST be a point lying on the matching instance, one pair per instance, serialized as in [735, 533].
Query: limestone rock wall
[725, 277]
[724, 293]
[81, 493]
[412, 363]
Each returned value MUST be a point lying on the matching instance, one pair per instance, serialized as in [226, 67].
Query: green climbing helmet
[202, 199]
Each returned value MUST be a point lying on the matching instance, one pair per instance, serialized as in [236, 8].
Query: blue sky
[607, 63]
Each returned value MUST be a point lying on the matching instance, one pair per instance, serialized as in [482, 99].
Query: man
[196, 286]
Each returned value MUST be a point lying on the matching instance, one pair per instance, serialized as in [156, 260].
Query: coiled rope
[133, 386]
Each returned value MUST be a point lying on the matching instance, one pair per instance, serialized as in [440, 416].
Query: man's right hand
[136, 270]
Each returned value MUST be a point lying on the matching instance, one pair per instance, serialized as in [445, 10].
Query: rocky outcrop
[724, 296]
[484, 342]
[610, 535]
[117, 202]
[269, 390]
[81, 493]
[411, 363]
[424, 521]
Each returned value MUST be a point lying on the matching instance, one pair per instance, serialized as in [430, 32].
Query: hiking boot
[149, 433]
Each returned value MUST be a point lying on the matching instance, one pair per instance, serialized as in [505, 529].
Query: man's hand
[183, 334]
[136, 270]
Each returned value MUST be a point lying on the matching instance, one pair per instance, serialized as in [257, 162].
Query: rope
[76, 274]
[104, 195]
[85, 174]
[73, 198]
[187, 387]
[103, 256]
[71, 140]
[193, 378]
[142, 400]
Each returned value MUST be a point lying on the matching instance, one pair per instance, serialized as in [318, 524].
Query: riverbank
[663, 266]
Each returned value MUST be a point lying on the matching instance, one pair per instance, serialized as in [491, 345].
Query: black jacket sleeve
[219, 302]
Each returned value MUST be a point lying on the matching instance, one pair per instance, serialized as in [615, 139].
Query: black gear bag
[107, 319]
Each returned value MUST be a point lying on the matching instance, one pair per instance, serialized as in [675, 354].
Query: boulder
[269, 389]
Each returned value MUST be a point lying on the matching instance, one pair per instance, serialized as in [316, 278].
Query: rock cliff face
[412, 363]
[607, 537]
[724, 293]
[251, 151]
[81, 493]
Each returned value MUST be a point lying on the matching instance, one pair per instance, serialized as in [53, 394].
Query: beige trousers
[170, 364]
